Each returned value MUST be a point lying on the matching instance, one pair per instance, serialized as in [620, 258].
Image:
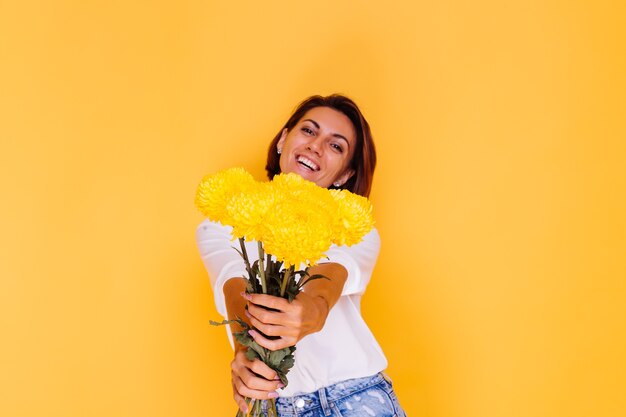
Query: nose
[315, 146]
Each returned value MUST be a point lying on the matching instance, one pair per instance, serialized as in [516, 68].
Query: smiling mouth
[307, 163]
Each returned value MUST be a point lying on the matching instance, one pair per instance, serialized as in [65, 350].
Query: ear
[343, 178]
[281, 141]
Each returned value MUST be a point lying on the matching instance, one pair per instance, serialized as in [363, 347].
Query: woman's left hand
[292, 321]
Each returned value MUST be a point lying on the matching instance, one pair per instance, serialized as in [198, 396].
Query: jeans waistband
[291, 406]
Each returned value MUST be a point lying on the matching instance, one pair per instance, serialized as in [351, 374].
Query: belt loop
[385, 376]
[324, 402]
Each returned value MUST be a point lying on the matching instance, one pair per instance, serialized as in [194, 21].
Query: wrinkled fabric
[360, 397]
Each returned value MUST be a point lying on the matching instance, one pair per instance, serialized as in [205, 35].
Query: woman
[339, 365]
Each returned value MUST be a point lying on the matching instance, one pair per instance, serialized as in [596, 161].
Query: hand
[306, 314]
[252, 379]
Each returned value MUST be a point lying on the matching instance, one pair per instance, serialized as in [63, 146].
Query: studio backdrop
[499, 195]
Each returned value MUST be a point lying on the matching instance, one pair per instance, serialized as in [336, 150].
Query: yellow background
[500, 195]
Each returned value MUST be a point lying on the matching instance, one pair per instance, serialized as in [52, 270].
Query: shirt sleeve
[221, 261]
[359, 260]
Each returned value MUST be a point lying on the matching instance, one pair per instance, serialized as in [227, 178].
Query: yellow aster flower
[355, 217]
[216, 190]
[247, 210]
[293, 187]
[296, 233]
[293, 184]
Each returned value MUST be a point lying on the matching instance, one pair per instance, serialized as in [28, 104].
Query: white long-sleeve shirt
[345, 348]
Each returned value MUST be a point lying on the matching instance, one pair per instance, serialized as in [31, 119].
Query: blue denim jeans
[362, 397]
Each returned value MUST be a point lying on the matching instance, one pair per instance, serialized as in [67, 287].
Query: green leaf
[239, 252]
[317, 276]
[283, 379]
[242, 323]
[287, 364]
[252, 355]
[221, 323]
[263, 353]
[243, 338]
[277, 356]
[311, 278]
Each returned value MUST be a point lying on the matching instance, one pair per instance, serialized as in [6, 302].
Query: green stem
[245, 257]
[286, 278]
[251, 406]
[262, 267]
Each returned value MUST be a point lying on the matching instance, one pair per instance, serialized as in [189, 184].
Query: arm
[306, 314]
[349, 272]
[252, 379]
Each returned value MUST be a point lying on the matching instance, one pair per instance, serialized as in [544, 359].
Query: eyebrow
[337, 135]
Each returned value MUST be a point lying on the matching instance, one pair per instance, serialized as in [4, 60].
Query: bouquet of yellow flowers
[294, 222]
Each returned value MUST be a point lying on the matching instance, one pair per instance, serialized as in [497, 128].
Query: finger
[255, 374]
[266, 329]
[246, 391]
[276, 344]
[254, 381]
[274, 324]
[263, 315]
[261, 369]
[239, 400]
[269, 301]
[240, 362]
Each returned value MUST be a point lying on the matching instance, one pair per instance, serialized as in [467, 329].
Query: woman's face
[319, 147]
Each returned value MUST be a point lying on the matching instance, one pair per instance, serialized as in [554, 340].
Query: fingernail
[281, 385]
[252, 333]
[272, 395]
[246, 296]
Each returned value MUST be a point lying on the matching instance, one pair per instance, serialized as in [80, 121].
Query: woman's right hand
[252, 379]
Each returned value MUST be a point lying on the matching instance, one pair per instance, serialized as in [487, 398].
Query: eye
[307, 130]
[336, 147]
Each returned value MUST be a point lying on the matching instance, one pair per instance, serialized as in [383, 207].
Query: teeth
[308, 163]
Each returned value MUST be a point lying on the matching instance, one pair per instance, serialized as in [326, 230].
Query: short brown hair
[364, 158]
